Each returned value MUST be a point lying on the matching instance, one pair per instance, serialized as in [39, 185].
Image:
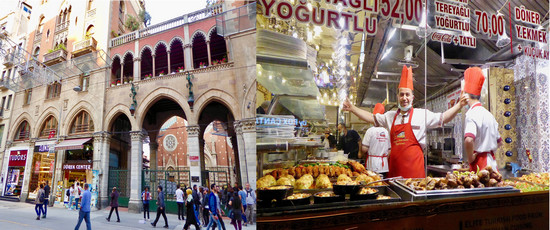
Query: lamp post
[133, 93]
[191, 99]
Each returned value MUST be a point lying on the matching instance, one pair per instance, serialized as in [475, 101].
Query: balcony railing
[90, 13]
[167, 25]
[38, 37]
[237, 20]
[83, 47]
[3, 85]
[8, 60]
[55, 57]
[61, 27]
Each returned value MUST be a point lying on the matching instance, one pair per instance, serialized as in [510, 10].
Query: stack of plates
[275, 126]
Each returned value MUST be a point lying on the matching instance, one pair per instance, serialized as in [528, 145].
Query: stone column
[153, 56]
[191, 66]
[208, 51]
[136, 168]
[169, 67]
[228, 48]
[28, 169]
[193, 151]
[246, 139]
[137, 69]
[96, 165]
[104, 173]
[153, 146]
[121, 72]
[58, 173]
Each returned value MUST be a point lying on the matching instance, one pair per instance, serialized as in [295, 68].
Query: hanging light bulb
[503, 40]
[423, 29]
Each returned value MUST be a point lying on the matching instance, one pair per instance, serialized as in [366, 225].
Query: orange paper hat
[406, 78]
[473, 80]
[378, 108]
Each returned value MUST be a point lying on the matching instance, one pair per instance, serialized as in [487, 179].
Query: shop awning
[72, 144]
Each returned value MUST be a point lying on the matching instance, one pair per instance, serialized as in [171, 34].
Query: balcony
[90, 14]
[3, 85]
[55, 57]
[61, 27]
[38, 37]
[8, 60]
[84, 47]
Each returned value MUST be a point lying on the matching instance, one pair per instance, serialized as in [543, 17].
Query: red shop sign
[73, 167]
[18, 158]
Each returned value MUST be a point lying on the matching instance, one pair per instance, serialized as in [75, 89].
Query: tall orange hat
[378, 108]
[406, 78]
[473, 80]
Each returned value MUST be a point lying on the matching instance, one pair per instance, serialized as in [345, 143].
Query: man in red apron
[407, 128]
[376, 145]
[481, 136]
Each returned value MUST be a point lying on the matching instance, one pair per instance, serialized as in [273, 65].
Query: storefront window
[42, 171]
[16, 171]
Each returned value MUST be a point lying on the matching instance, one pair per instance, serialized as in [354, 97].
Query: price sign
[490, 24]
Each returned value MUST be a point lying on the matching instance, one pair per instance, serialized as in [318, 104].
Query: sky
[162, 10]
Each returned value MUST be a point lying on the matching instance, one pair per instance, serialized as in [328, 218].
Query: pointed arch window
[23, 131]
[82, 123]
[49, 125]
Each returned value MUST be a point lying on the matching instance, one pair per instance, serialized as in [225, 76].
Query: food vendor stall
[314, 56]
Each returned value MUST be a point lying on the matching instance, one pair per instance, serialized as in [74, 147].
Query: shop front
[43, 165]
[76, 166]
[15, 174]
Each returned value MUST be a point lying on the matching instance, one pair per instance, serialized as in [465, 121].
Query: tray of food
[531, 182]
[455, 184]
[327, 201]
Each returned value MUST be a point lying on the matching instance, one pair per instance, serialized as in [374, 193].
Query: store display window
[16, 171]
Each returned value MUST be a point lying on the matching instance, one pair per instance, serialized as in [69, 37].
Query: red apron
[482, 160]
[407, 157]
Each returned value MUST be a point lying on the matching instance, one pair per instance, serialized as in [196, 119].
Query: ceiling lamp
[423, 29]
[503, 40]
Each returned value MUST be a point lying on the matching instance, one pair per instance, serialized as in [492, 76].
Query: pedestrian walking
[220, 212]
[213, 204]
[78, 194]
[191, 218]
[237, 209]
[146, 197]
[250, 204]
[114, 205]
[160, 208]
[242, 195]
[179, 201]
[46, 199]
[84, 212]
[39, 201]
[205, 207]
[71, 196]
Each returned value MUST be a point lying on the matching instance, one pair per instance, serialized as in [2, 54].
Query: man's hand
[347, 106]
[216, 217]
[463, 101]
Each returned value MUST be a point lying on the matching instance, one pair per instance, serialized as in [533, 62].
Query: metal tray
[276, 210]
[410, 194]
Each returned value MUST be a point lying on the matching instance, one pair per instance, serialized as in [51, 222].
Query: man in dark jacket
[47, 199]
[213, 204]
[161, 208]
[196, 198]
[350, 141]
[114, 205]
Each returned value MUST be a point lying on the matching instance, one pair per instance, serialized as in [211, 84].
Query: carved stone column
[137, 69]
[153, 146]
[169, 67]
[228, 48]
[193, 153]
[208, 51]
[104, 171]
[153, 56]
[246, 139]
[136, 167]
[121, 73]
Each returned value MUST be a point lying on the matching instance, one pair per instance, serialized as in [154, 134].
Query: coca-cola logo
[440, 37]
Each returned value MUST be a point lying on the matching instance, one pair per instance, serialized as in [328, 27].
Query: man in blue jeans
[84, 212]
[213, 204]
[46, 201]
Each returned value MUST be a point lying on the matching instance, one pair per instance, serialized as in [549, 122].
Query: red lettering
[280, 10]
[332, 17]
[302, 17]
[370, 25]
[318, 18]
[267, 7]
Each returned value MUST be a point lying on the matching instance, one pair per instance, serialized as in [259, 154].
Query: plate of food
[297, 199]
[365, 193]
[326, 197]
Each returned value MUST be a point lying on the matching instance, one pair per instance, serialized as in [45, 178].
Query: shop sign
[18, 158]
[279, 121]
[453, 98]
[531, 34]
[42, 148]
[77, 166]
[193, 158]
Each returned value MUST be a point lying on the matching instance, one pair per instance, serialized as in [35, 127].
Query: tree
[131, 23]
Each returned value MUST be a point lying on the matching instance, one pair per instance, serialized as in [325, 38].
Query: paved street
[16, 215]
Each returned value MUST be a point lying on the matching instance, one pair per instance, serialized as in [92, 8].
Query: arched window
[82, 123]
[50, 125]
[218, 50]
[23, 131]
[40, 24]
[36, 52]
[200, 53]
[90, 31]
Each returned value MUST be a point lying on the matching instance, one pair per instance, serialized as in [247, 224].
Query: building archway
[217, 136]
[161, 59]
[120, 157]
[176, 56]
[115, 70]
[146, 63]
[218, 49]
[128, 68]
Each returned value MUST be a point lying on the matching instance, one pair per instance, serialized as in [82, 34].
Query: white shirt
[74, 191]
[481, 125]
[378, 141]
[418, 122]
[179, 195]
